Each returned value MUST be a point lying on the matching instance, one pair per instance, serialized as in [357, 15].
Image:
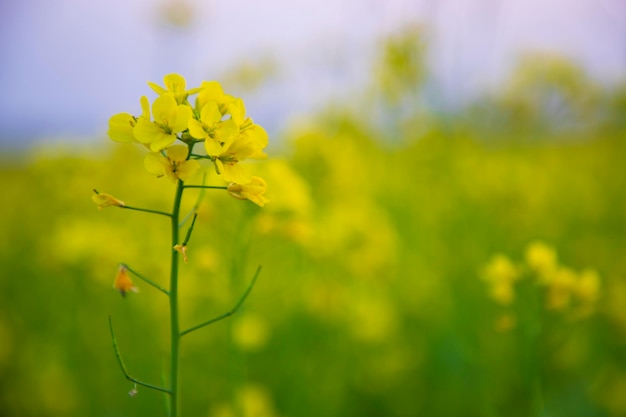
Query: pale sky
[67, 65]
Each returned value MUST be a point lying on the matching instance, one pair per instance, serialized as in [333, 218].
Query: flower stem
[162, 213]
[173, 293]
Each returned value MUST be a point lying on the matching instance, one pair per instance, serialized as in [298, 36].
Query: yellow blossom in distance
[542, 259]
[122, 282]
[106, 200]
[174, 165]
[253, 191]
[501, 274]
[170, 118]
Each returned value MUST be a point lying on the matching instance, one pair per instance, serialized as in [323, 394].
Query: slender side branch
[118, 355]
[162, 213]
[147, 280]
[188, 235]
[216, 187]
[231, 312]
[196, 205]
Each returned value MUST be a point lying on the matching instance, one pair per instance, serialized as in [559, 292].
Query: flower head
[122, 282]
[173, 165]
[106, 200]
[252, 191]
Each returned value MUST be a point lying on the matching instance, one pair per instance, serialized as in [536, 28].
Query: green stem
[216, 187]
[118, 355]
[147, 280]
[174, 325]
[228, 313]
[162, 213]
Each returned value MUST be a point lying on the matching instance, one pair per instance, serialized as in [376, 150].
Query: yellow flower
[182, 249]
[121, 127]
[214, 131]
[252, 191]
[226, 163]
[175, 84]
[501, 274]
[122, 282]
[542, 259]
[587, 287]
[174, 165]
[560, 289]
[212, 91]
[106, 200]
[170, 118]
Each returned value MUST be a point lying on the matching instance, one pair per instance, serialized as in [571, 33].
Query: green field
[378, 295]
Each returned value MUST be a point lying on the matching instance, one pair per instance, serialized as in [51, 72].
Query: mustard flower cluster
[171, 126]
[561, 288]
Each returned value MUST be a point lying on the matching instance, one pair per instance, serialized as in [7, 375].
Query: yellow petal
[196, 130]
[165, 109]
[177, 153]
[237, 110]
[210, 114]
[187, 169]
[212, 147]
[162, 141]
[181, 120]
[210, 91]
[226, 133]
[145, 131]
[121, 128]
[157, 88]
[106, 200]
[155, 164]
[145, 107]
[175, 83]
[233, 172]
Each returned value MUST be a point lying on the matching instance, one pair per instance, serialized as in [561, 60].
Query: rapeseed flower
[253, 191]
[170, 118]
[173, 165]
[106, 200]
[176, 85]
[501, 274]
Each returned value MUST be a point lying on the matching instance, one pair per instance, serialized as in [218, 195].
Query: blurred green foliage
[371, 301]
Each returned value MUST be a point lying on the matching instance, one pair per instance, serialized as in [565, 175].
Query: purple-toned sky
[67, 65]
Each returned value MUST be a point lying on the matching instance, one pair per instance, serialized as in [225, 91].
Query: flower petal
[233, 172]
[145, 131]
[121, 128]
[187, 169]
[177, 153]
[164, 109]
[196, 130]
[155, 164]
[181, 121]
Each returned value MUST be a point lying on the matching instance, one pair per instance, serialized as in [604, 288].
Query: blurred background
[447, 224]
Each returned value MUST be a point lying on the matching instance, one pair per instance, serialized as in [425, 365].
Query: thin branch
[229, 313]
[216, 187]
[188, 235]
[195, 207]
[147, 280]
[162, 213]
[118, 355]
